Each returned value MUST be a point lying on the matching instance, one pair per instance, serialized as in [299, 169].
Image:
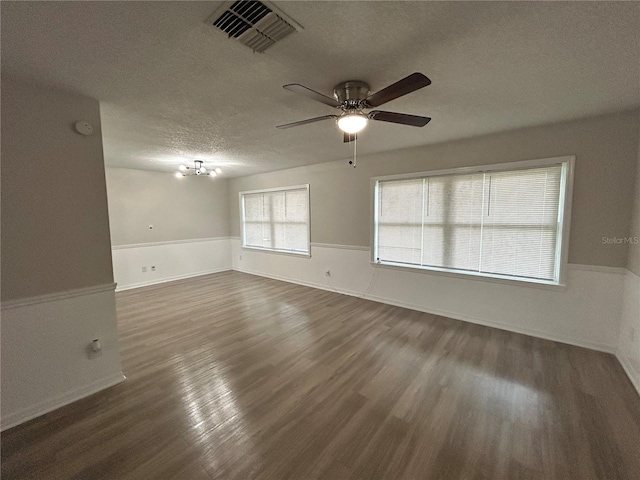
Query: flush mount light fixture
[197, 169]
[352, 122]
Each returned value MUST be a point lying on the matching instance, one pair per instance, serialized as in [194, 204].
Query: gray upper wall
[55, 227]
[178, 208]
[606, 150]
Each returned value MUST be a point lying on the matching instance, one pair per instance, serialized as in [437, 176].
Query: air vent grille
[252, 10]
[231, 24]
[255, 24]
[256, 41]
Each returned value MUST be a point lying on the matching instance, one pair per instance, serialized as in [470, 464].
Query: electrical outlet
[240, 257]
[153, 268]
[144, 269]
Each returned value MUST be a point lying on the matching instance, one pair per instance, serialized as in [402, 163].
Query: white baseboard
[51, 404]
[302, 282]
[444, 313]
[171, 279]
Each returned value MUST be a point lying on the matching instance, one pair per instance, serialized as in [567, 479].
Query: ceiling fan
[353, 96]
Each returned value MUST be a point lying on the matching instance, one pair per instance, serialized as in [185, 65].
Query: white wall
[46, 358]
[190, 218]
[57, 282]
[172, 261]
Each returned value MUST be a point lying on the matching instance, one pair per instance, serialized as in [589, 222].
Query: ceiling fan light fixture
[213, 173]
[352, 122]
[353, 96]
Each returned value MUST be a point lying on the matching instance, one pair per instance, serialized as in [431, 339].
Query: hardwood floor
[232, 376]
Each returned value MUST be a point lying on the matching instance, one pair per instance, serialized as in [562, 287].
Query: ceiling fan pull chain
[355, 149]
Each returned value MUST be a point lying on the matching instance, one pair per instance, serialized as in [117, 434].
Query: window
[276, 219]
[504, 221]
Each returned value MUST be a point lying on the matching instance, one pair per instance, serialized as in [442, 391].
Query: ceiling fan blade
[349, 137]
[312, 94]
[304, 122]
[409, 84]
[401, 118]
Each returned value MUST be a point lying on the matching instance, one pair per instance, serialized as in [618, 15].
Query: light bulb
[218, 170]
[179, 175]
[182, 168]
[203, 170]
[352, 123]
[213, 173]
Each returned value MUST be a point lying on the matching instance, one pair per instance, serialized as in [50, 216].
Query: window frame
[280, 251]
[564, 219]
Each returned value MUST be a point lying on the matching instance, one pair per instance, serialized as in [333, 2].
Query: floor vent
[258, 25]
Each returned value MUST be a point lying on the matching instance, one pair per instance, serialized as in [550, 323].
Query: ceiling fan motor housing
[351, 93]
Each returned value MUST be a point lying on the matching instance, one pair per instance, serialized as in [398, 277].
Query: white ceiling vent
[258, 25]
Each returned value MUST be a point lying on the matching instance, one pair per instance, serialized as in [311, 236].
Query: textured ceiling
[173, 89]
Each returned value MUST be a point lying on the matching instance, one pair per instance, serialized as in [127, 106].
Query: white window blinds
[276, 219]
[495, 222]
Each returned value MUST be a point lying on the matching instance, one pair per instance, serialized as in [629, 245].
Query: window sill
[279, 252]
[483, 277]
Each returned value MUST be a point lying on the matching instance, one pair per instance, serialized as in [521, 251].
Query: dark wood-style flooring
[232, 376]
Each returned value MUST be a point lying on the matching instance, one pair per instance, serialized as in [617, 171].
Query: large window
[502, 221]
[276, 219]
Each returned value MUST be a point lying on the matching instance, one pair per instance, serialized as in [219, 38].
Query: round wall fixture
[84, 128]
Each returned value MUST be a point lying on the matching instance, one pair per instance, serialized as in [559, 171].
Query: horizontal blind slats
[502, 222]
[400, 221]
[277, 220]
[520, 229]
[455, 205]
